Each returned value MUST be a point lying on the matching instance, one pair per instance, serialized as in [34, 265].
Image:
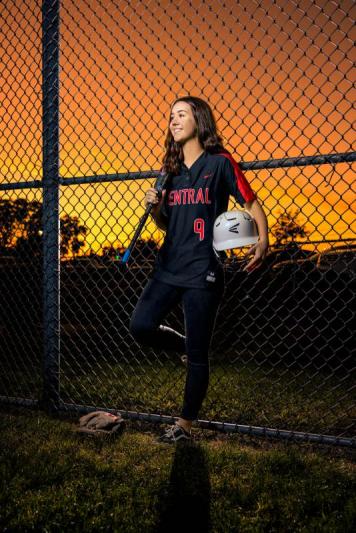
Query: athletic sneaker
[175, 434]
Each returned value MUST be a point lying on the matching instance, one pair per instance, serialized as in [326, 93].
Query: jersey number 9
[199, 227]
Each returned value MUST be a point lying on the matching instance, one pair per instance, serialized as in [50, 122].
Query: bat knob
[126, 256]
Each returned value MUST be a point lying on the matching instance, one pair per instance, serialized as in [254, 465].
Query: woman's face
[182, 124]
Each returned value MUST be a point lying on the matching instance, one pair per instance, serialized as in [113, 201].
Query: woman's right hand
[151, 197]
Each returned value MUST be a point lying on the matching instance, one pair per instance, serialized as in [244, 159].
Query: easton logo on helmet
[234, 229]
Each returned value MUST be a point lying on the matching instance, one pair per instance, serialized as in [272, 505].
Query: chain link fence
[86, 90]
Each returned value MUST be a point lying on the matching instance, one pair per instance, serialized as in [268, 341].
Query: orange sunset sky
[278, 75]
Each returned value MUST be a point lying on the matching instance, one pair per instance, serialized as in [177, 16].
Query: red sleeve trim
[241, 182]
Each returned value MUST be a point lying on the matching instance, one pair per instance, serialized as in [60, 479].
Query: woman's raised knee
[141, 330]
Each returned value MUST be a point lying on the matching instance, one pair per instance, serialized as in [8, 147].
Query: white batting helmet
[234, 229]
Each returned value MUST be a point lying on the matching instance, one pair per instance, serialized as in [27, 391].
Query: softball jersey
[192, 200]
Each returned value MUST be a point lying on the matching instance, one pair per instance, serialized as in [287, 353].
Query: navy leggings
[200, 308]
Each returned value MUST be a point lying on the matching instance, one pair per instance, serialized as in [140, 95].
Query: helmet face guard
[234, 229]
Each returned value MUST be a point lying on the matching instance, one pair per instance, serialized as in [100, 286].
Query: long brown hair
[207, 134]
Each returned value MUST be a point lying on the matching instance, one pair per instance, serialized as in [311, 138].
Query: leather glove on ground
[101, 422]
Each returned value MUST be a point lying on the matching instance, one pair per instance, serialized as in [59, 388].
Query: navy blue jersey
[192, 200]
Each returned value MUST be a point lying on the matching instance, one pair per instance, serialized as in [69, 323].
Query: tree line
[21, 232]
[21, 229]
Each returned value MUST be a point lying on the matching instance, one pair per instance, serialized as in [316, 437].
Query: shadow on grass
[185, 503]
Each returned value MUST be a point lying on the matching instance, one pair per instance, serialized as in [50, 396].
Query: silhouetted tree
[111, 251]
[72, 234]
[287, 227]
[143, 251]
[30, 240]
[21, 228]
[18, 218]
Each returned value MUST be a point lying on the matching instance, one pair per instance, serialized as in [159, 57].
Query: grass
[53, 479]
[246, 394]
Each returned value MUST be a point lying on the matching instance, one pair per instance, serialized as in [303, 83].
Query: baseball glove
[101, 423]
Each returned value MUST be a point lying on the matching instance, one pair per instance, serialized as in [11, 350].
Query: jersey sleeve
[236, 182]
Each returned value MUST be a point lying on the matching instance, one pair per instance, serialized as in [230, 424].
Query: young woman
[201, 177]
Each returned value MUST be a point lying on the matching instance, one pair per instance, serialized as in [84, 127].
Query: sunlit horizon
[278, 88]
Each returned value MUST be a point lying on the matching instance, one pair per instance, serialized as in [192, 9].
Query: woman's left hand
[259, 251]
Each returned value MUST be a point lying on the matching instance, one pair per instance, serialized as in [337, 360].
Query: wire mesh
[20, 211]
[279, 78]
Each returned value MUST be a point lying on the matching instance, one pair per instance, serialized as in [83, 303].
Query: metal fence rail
[78, 153]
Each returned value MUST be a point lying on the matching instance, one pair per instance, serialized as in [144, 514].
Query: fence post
[51, 253]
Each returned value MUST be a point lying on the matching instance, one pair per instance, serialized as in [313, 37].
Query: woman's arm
[260, 248]
[152, 197]
[158, 218]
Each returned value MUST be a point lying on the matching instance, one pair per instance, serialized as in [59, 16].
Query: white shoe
[175, 434]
